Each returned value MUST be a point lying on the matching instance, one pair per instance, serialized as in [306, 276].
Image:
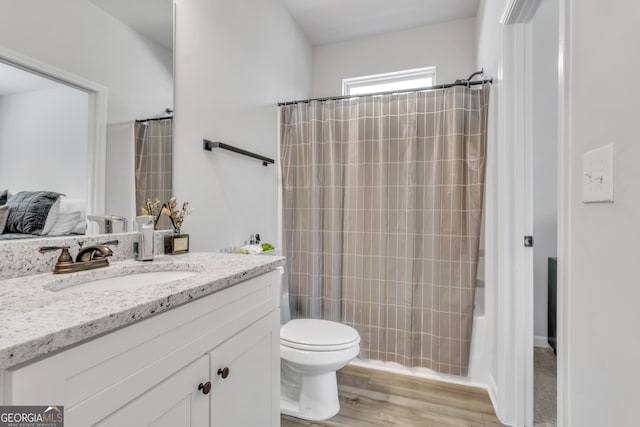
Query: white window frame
[396, 76]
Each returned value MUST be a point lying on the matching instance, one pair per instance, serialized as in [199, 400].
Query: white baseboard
[492, 389]
[539, 341]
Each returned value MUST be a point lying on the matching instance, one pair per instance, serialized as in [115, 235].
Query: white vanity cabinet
[148, 373]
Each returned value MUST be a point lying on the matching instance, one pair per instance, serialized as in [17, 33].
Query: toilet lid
[316, 334]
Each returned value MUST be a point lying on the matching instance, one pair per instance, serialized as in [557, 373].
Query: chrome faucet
[109, 224]
[90, 257]
[145, 245]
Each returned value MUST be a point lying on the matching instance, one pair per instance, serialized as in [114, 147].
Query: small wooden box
[175, 244]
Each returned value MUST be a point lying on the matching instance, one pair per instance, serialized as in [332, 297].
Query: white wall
[234, 62]
[450, 46]
[78, 37]
[544, 31]
[38, 126]
[604, 271]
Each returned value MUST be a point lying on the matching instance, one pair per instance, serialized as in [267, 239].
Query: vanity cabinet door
[249, 396]
[176, 401]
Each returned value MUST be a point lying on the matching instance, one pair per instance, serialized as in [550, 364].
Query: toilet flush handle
[224, 373]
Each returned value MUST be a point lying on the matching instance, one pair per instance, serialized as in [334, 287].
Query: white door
[249, 396]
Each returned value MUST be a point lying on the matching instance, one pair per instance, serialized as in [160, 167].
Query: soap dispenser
[145, 238]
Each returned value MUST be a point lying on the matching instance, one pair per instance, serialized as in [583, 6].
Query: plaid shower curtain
[154, 163]
[382, 208]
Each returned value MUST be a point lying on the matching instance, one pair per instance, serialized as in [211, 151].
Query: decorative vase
[176, 243]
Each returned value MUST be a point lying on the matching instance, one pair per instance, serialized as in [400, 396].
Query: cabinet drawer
[105, 373]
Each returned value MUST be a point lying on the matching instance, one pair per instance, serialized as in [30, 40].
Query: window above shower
[395, 81]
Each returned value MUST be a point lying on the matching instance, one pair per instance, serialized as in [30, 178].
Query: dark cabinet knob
[206, 387]
[224, 373]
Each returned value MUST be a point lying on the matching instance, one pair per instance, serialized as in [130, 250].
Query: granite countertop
[43, 313]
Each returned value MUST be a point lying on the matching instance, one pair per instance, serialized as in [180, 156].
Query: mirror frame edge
[97, 124]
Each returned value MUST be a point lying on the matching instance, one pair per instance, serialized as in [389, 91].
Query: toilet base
[317, 398]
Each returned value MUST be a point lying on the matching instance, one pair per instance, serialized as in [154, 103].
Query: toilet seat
[318, 335]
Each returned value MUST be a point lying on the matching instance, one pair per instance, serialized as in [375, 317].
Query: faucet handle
[94, 252]
[64, 255]
[44, 249]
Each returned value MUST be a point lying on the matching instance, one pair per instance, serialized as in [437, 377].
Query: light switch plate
[597, 175]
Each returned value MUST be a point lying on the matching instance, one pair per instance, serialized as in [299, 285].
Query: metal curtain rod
[210, 145]
[153, 119]
[169, 111]
[466, 82]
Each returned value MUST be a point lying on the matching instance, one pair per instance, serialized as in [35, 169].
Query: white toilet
[311, 351]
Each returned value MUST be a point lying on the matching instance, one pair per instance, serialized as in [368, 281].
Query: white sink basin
[132, 281]
[126, 277]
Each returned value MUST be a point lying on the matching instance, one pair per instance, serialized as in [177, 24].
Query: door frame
[514, 314]
[515, 310]
[516, 54]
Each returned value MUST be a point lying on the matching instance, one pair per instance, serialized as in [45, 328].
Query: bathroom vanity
[191, 340]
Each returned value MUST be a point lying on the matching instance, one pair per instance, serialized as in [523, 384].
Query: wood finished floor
[375, 398]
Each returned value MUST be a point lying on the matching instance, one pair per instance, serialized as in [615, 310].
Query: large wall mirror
[74, 79]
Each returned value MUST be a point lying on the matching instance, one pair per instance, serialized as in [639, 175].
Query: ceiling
[323, 21]
[15, 80]
[328, 21]
[151, 18]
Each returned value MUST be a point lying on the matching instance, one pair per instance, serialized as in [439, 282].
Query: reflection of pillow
[4, 195]
[72, 205]
[81, 228]
[66, 223]
[4, 214]
[29, 210]
[52, 217]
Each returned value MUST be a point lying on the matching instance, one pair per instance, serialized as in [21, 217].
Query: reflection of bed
[33, 214]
